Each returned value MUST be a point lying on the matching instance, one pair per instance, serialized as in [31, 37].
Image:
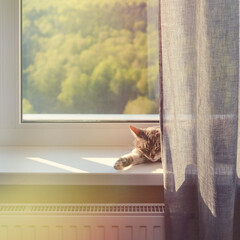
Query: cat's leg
[132, 158]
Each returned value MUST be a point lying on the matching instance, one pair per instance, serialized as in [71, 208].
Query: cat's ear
[137, 132]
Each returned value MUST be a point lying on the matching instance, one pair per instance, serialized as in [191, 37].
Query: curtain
[199, 63]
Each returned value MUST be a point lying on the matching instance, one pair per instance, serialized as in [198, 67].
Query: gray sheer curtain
[200, 109]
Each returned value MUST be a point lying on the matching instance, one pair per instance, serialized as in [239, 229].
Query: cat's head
[147, 141]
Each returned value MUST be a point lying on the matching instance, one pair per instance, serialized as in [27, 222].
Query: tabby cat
[146, 148]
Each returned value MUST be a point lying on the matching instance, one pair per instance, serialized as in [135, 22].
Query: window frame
[15, 132]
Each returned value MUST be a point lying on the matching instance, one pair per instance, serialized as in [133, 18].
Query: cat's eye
[89, 61]
[146, 151]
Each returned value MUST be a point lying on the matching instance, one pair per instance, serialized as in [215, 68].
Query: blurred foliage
[141, 105]
[27, 107]
[87, 57]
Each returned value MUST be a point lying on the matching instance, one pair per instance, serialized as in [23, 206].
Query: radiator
[82, 222]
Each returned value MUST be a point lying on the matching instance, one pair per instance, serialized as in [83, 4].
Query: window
[95, 71]
[88, 57]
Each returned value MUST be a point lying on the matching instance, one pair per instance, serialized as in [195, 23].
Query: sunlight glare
[57, 165]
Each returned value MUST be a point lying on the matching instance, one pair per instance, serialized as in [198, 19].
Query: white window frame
[12, 130]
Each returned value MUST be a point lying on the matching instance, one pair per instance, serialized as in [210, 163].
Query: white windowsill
[73, 166]
[90, 118]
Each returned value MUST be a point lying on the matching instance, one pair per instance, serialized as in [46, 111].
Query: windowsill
[73, 166]
[71, 118]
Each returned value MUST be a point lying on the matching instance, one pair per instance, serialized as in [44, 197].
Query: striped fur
[147, 148]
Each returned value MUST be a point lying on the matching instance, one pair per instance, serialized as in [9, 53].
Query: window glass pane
[89, 57]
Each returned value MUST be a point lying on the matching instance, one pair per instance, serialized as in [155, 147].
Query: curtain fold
[200, 90]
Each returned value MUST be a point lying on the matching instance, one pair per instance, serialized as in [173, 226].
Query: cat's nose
[152, 155]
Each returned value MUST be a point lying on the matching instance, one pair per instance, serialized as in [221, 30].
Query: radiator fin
[87, 233]
[72, 233]
[156, 231]
[4, 232]
[30, 233]
[59, 232]
[114, 233]
[44, 233]
[82, 208]
[142, 233]
[128, 233]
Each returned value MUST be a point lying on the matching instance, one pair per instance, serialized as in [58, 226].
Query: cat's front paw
[121, 163]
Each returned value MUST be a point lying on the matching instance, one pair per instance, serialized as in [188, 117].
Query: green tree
[141, 105]
[86, 56]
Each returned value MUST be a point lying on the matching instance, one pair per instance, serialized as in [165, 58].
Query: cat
[146, 148]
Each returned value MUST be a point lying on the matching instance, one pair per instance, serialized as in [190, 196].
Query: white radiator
[82, 222]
